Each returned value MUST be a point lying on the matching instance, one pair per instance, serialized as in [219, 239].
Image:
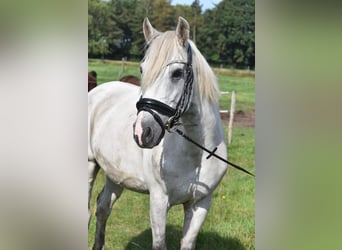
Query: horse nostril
[147, 132]
[147, 136]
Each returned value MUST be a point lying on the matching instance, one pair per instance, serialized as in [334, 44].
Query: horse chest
[181, 176]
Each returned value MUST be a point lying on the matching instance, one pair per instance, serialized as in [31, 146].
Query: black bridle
[155, 107]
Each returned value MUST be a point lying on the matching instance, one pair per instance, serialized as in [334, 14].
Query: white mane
[163, 48]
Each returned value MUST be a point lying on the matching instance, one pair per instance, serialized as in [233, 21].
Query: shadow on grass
[205, 241]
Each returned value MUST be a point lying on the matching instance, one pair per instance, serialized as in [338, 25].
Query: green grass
[231, 219]
[244, 88]
[109, 70]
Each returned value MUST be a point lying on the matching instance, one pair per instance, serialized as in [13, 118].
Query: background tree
[224, 34]
[102, 31]
[138, 41]
[121, 13]
[196, 20]
[162, 14]
[228, 34]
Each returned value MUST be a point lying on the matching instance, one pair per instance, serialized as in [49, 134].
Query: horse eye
[140, 68]
[177, 74]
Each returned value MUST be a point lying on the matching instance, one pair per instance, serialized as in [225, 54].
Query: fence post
[123, 67]
[231, 118]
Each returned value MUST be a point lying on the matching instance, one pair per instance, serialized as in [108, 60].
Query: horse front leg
[194, 216]
[105, 201]
[158, 213]
[93, 169]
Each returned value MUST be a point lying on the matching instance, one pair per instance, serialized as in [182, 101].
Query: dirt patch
[241, 119]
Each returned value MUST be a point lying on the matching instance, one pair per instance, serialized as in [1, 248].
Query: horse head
[166, 83]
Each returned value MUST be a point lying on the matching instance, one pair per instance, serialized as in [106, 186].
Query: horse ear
[182, 30]
[149, 31]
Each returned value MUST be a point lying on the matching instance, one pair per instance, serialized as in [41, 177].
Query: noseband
[155, 107]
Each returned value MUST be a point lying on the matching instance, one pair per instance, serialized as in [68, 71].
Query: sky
[206, 4]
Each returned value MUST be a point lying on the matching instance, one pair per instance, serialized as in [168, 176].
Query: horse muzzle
[146, 131]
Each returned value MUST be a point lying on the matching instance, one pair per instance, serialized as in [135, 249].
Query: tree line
[225, 34]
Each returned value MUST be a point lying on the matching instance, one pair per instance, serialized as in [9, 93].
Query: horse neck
[202, 122]
[197, 116]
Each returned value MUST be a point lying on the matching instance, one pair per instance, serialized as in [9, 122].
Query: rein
[212, 153]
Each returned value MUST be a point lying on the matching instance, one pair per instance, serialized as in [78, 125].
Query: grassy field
[231, 221]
